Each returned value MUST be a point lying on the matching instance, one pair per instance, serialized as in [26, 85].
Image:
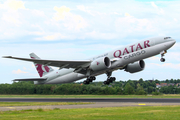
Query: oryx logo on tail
[42, 70]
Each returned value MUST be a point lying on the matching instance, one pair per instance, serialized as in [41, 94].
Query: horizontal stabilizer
[30, 79]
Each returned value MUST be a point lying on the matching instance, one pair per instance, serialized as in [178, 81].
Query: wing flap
[30, 79]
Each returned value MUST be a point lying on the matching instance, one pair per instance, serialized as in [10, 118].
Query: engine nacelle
[100, 64]
[135, 67]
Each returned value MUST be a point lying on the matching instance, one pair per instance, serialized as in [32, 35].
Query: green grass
[92, 96]
[123, 113]
[2, 104]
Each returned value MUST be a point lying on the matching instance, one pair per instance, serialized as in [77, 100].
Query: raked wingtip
[6, 56]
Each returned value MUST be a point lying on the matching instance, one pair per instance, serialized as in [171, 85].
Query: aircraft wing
[56, 63]
[30, 79]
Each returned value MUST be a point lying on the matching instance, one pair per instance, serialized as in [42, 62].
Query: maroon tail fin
[42, 69]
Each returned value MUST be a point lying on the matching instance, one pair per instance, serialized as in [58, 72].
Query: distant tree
[128, 89]
[140, 80]
[171, 81]
[175, 81]
[178, 80]
[122, 87]
[131, 83]
[167, 81]
[150, 89]
[140, 90]
[157, 81]
[156, 93]
[119, 91]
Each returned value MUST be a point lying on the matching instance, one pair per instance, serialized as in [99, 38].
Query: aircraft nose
[173, 41]
[170, 43]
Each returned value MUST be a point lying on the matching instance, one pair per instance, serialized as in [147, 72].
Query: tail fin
[42, 69]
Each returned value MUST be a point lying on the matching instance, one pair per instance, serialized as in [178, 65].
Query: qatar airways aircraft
[128, 58]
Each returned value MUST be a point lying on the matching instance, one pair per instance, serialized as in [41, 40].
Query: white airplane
[128, 58]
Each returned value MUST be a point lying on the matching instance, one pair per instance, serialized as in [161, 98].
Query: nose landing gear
[162, 59]
[162, 54]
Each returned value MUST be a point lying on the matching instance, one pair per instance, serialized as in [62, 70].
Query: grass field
[92, 96]
[2, 104]
[127, 113]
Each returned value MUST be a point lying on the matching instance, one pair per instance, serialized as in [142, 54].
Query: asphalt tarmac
[151, 100]
[96, 102]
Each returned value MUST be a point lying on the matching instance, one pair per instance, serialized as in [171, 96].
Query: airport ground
[92, 96]
[91, 110]
[104, 113]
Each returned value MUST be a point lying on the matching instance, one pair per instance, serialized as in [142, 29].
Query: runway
[96, 102]
[150, 100]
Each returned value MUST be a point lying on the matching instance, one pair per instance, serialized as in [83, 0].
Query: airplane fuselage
[121, 57]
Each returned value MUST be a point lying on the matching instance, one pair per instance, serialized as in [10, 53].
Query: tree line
[130, 87]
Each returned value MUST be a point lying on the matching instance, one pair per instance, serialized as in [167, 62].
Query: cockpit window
[167, 38]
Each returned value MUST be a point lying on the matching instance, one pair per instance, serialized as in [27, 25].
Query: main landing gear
[89, 79]
[162, 54]
[109, 79]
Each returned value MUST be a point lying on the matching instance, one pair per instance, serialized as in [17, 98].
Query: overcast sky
[80, 29]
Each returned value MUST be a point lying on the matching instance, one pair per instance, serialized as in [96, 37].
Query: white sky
[69, 30]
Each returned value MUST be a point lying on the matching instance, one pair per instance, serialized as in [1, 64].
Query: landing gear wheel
[109, 80]
[106, 82]
[89, 80]
[86, 82]
[93, 77]
[113, 78]
[162, 59]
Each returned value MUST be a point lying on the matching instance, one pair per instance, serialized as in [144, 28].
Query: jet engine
[100, 64]
[135, 67]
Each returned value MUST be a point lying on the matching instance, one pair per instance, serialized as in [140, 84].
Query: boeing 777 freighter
[128, 58]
